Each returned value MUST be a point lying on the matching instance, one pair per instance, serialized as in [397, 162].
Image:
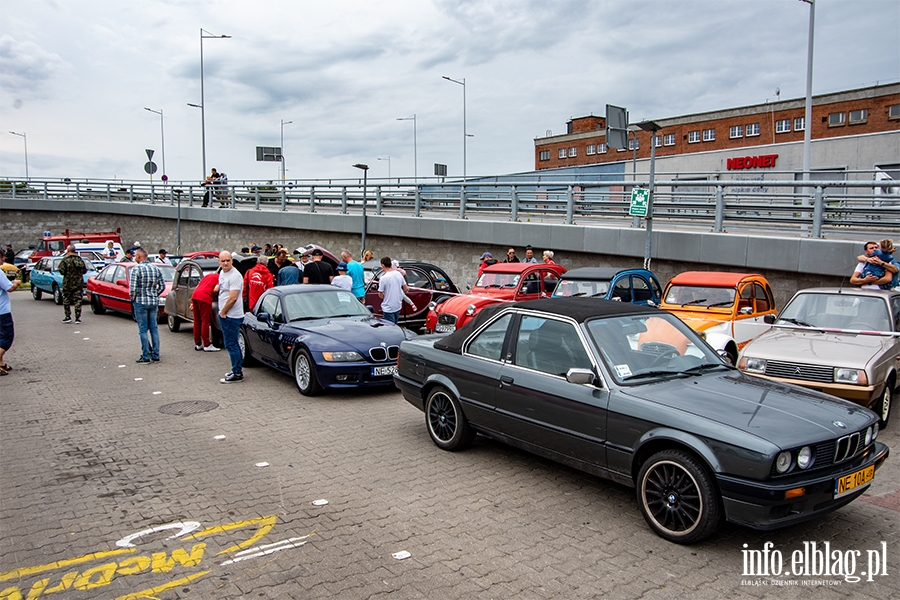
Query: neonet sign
[752, 162]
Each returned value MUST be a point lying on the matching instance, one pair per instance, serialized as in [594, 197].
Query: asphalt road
[106, 494]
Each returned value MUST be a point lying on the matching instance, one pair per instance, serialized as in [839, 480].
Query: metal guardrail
[812, 208]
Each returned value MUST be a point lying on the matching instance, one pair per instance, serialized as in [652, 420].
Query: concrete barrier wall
[789, 263]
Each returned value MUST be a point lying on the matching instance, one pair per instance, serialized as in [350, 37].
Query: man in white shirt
[109, 253]
[231, 315]
[391, 289]
[163, 258]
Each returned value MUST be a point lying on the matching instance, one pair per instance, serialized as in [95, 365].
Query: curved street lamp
[365, 170]
[202, 94]
[162, 131]
[25, 139]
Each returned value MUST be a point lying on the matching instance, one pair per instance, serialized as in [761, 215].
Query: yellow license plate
[848, 483]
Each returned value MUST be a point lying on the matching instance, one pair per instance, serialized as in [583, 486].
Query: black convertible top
[580, 309]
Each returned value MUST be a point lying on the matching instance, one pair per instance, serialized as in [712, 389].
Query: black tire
[244, 344]
[678, 498]
[447, 425]
[57, 295]
[174, 323]
[305, 373]
[36, 293]
[883, 407]
[731, 356]
[96, 306]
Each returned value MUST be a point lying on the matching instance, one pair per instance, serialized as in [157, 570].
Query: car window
[489, 343]
[498, 280]
[657, 291]
[269, 305]
[88, 264]
[895, 308]
[590, 289]
[318, 305]
[763, 296]
[551, 279]
[440, 281]
[195, 276]
[691, 295]
[531, 285]
[549, 346]
[417, 279]
[57, 245]
[838, 311]
[640, 289]
[622, 290]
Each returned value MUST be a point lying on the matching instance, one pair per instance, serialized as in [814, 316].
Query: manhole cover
[190, 407]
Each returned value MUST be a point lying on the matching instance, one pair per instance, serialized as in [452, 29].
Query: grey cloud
[26, 66]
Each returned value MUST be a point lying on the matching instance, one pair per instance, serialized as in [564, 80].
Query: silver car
[845, 342]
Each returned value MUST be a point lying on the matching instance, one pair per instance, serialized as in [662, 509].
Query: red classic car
[503, 282]
[108, 290]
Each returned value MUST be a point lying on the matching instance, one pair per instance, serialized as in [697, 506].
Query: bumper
[339, 376]
[762, 505]
[411, 390]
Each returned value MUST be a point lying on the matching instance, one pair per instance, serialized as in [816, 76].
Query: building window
[752, 129]
[859, 116]
[562, 152]
[545, 155]
[836, 119]
[800, 124]
[601, 148]
[573, 152]
[693, 137]
[657, 141]
[782, 126]
[894, 111]
[591, 148]
[634, 144]
[709, 135]
[736, 131]
[669, 139]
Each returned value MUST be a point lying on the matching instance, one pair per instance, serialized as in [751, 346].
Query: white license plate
[382, 371]
[442, 328]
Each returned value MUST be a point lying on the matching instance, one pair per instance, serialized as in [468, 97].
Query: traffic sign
[149, 154]
[640, 199]
[150, 167]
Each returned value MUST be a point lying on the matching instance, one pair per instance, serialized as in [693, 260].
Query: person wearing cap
[487, 259]
[342, 280]
[134, 248]
[162, 258]
[357, 275]
[316, 271]
[529, 255]
[255, 250]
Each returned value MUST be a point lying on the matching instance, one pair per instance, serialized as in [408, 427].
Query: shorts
[7, 331]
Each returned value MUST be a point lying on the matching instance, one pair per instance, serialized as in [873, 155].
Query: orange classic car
[726, 308]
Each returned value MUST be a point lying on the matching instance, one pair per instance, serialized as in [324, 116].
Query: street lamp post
[415, 149]
[202, 92]
[652, 128]
[162, 133]
[283, 123]
[465, 132]
[807, 126]
[388, 159]
[25, 139]
[365, 170]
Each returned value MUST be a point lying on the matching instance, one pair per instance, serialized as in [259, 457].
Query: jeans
[231, 329]
[145, 315]
[392, 317]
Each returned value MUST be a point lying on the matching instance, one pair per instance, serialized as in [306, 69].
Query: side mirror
[770, 319]
[265, 318]
[580, 376]
[122, 282]
[746, 310]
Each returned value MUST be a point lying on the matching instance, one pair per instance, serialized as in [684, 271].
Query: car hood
[784, 415]
[812, 346]
[700, 321]
[360, 333]
[458, 304]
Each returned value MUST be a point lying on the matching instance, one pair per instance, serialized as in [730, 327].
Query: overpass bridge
[797, 236]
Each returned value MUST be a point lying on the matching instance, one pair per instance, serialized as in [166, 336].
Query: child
[884, 253]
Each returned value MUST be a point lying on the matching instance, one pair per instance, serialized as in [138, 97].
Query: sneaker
[232, 378]
[78, 321]
[67, 320]
[198, 347]
[143, 361]
[154, 359]
[211, 348]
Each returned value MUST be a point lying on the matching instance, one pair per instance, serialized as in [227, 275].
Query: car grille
[833, 452]
[788, 370]
[381, 354]
[446, 319]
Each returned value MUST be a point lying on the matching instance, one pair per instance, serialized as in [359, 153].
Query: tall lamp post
[283, 123]
[204, 35]
[388, 159]
[807, 126]
[465, 132]
[652, 128]
[365, 170]
[25, 139]
[415, 149]
[162, 133]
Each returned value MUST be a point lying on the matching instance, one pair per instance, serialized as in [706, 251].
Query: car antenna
[841, 286]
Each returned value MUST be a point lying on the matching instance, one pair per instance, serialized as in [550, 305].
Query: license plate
[848, 483]
[442, 328]
[382, 371]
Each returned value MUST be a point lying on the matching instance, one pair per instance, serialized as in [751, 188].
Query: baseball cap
[486, 255]
[342, 266]
[316, 252]
[255, 248]
[137, 244]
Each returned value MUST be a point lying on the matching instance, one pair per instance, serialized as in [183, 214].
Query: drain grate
[189, 407]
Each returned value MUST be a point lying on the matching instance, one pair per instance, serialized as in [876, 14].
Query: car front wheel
[174, 323]
[36, 292]
[678, 498]
[97, 306]
[447, 425]
[884, 406]
[305, 374]
[244, 345]
[57, 295]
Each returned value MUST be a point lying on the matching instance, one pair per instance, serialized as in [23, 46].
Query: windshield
[837, 311]
[168, 272]
[591, 289]
[641, 347]
[324, 304]
[498, 280]
[702, 296]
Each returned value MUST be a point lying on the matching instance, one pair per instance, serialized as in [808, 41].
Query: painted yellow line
[265, 526]
[62, 563]
[149, 593]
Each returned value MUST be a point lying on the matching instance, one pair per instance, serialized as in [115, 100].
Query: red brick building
[867, 110]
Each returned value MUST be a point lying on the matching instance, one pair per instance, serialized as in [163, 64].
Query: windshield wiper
[725, 303]
[796, 322]
[694, 302]
[303, 319]
[698, 368]
[655, 373]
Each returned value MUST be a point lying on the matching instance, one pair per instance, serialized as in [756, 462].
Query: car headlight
[868, 436]
[753, 365]
[431, 305]
[342, 356]
[804, 457]
[783, 462]
[851, 376]
[470, 310]
[875, 429]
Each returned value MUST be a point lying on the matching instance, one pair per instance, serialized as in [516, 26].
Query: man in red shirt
[256, 281]
[201, 306]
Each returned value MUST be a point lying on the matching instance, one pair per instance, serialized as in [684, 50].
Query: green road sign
[640, 198]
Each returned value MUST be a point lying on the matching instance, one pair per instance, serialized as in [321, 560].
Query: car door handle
[504, 381]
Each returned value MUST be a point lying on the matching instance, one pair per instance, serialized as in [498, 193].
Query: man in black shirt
[277, 262]
[316, 271]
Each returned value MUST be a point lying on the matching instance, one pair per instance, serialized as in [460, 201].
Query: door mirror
[122, 282]
[580, 376]
[770, 319]
[265, 318]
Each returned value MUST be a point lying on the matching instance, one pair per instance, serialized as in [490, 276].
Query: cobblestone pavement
[102, 495]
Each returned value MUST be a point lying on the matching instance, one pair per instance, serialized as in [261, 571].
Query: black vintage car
[427, 283]
[632, 394]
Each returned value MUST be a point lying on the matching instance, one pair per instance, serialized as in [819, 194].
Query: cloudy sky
[76, 76]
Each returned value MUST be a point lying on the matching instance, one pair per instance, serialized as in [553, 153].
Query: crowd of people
[487, 259]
